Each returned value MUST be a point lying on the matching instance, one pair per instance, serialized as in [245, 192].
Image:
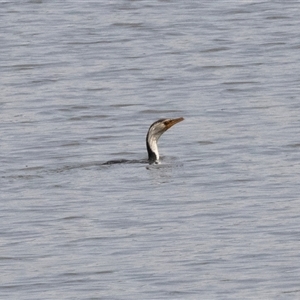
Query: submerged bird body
[154, 133]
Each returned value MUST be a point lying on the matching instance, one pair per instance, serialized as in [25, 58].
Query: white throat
[153, 146]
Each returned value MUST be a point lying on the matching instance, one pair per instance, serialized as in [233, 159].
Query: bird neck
[153, 155]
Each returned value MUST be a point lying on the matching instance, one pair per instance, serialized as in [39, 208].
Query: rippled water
[80, 84]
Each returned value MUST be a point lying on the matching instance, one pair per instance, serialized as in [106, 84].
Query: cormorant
[154, 133]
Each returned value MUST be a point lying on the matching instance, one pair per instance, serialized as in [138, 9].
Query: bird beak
[172, 122]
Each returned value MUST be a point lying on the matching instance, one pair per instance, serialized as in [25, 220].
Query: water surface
[80, 85]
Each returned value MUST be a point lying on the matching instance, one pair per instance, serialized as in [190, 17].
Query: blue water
[218, 218]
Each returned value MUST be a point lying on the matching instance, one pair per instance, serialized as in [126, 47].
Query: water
[80, 85]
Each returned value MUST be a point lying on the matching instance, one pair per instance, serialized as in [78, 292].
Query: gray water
[81, 82]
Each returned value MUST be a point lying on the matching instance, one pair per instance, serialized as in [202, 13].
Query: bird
[155, 131]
